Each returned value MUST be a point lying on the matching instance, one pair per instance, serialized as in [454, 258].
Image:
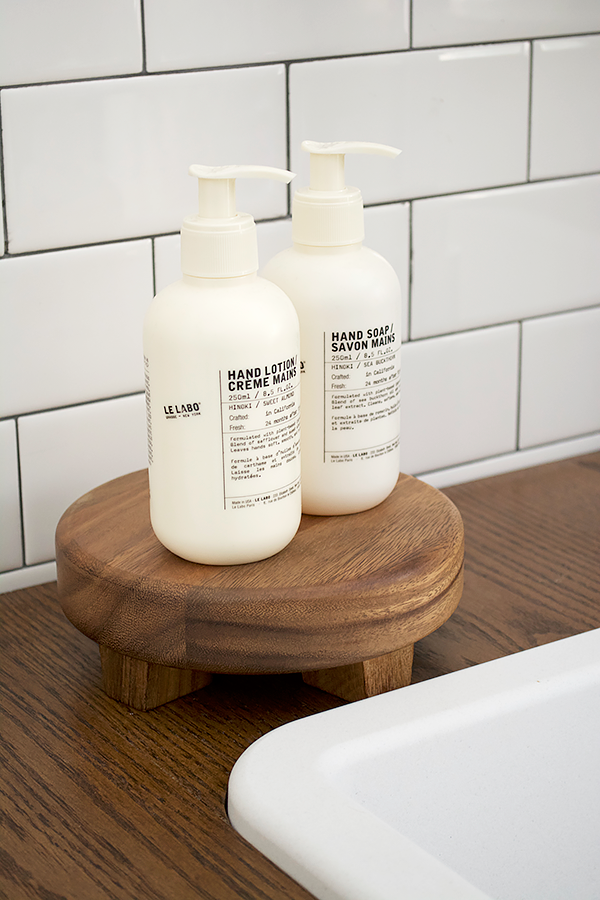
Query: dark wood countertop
[99, 801]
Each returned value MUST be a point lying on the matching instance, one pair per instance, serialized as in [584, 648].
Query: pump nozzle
[327, 161]
[219, 242]
[216, 186]
[328, 213]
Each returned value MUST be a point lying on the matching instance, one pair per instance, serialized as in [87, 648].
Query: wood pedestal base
[343, 603]
[145, 685]
[365, 679]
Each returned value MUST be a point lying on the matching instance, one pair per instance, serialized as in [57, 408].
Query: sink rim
[325, 843]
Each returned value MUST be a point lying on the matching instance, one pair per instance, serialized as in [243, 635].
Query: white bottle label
[260, 417]
[259, 431]
[362, 393]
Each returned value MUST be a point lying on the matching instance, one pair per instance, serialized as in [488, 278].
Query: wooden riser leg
[145, 685]
[365, 679]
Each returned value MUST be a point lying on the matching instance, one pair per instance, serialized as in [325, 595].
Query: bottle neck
[328, 251]
[226, 281]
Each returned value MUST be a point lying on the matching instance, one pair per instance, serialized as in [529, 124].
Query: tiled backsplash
[491, 215]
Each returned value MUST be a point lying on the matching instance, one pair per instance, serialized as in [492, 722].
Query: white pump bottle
[348, 302]
[221, 355]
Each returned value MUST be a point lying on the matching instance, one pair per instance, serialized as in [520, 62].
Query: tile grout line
[54, 409]
[471, 329]
[296, 61]
[410, 200]
[528, 177]
[409, 299]
[288, 138]
[530, 111]
[3, 182]
[519, 388]
[153, 241]
[109, 242]
[143, 30]
[20, 484]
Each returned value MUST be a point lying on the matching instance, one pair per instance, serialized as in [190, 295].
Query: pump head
[220, 242]
[328, 213]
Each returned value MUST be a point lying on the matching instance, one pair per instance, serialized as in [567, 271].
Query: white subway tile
[65, 39]
[560, 377]
[459, 398]
[187, 34]
[438, 22]
[66, 453]
[511, 462]
[507, 254]
[11, 556]
[116, 153]
[565, 116]
[459, 115]
[73, 325]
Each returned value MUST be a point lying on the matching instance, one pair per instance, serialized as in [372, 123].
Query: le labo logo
[182, 409]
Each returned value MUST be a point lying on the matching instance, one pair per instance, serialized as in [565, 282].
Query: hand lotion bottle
[348, 302]
[221, 356]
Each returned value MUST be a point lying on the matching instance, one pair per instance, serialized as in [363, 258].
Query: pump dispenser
[328, 213]
[220, 242]
[221, 356]
[348, 302]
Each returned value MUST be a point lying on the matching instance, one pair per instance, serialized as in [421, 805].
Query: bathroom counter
[100, 801]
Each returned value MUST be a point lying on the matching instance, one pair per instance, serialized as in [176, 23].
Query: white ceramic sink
[480, 784]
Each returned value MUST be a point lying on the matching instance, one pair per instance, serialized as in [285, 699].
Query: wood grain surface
[346, 589]
[99, 802]
[532, 565]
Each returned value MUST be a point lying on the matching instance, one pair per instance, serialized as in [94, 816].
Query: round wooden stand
[343, 603]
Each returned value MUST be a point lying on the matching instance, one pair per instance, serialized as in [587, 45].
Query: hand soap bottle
[348, 302]
[221, 356]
